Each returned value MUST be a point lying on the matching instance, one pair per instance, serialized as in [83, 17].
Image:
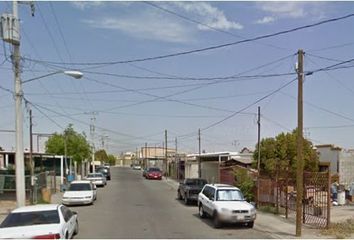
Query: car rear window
[31, 218]
[199, 182]
[80, 187]
[154, 170]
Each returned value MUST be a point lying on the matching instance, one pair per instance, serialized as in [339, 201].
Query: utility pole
[199, 163]
[31, 155]
[166, 154]
[19, 162]
[145, 158]
[259, 154]
[300, 160]
[176, 160]
[92, 133]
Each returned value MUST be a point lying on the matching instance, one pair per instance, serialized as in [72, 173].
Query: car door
[69, 221]
[205, 198]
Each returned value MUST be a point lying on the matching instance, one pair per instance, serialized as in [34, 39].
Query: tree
[76, 143]
[111, 159]
[101, 155]
[279, 153]
[245, 183]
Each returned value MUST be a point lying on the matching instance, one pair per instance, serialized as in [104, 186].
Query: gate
[281, 194]
[317, 200]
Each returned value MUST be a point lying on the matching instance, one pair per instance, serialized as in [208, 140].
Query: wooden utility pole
[300, 160]
[166, 169]
[176, 161]
[259, 155]
[199, 163]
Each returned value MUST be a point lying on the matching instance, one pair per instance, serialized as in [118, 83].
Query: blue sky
[129, 111]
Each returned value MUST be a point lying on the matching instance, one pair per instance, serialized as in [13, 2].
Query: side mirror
[74, 212]
[253, 203]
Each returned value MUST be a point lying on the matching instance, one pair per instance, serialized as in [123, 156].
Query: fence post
[328, 199]
[286, 191]
[304, 195]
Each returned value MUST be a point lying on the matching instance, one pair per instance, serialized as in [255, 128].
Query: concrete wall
[328, 154]
[210, 171]
[191, 169]
[346, 167]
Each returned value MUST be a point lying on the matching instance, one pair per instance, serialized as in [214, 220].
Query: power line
[206, 25]
[213, 47]
[248, 106]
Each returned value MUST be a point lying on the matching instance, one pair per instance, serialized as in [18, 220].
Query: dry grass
[340, 230]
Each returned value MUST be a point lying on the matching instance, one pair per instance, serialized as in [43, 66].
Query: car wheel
[201, 211]
[216, 221]
[250, 224]
[179, 196]
[76, 231]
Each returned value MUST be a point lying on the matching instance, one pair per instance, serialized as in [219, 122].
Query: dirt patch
[340, 230]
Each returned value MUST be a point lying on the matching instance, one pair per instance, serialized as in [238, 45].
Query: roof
[329, 146]
[80, 181]
[36, 208]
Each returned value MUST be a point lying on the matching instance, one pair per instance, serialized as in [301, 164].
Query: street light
[20, 167]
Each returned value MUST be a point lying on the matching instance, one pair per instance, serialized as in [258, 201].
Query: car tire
[216, 221]
[250, 224]
[202, 214]
[76, 231]
[179, 196]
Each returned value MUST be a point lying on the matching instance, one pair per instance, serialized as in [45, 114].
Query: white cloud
[82, 5]
[210, 15]
[266, 20]
[146, 26]
[294, 10]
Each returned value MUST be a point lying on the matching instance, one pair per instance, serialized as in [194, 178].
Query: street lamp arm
[74, 74]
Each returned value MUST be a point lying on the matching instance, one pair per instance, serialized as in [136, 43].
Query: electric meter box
[9, 29]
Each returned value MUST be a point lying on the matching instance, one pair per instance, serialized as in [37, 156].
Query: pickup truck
[189, 189]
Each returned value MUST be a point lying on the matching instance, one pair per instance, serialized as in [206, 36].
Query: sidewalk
[278, 226]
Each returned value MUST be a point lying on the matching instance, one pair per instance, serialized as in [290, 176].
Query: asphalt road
[133, 207]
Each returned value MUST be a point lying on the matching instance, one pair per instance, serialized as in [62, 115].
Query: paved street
[132, 207]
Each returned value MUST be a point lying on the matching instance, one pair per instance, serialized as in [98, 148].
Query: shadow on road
[226, 226]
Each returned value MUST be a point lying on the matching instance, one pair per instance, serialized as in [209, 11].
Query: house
[339, 161]
[214, 165]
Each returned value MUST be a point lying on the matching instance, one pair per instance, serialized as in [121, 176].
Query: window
[229, 195]
[80, 187]
[31, 218]
[67, 214]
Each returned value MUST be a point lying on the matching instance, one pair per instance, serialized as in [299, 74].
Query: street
[133, 207]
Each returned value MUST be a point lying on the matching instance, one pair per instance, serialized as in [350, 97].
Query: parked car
[106, 171]
[225, 203]
[43, 221]
[189, 189]
[97, 178]
[153, 173]
[136, 167]
[80, 193]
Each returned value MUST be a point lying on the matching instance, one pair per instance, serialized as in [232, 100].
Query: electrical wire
[215, 46]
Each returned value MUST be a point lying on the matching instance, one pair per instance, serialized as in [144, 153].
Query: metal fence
[281, 194]
[44, 184]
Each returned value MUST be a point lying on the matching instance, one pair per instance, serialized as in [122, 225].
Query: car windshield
[199, 182]
[80, 187]
[154, 170]
[31, 218]
[97, 175]
[229, 195]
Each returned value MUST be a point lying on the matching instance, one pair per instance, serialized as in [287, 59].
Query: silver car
[97, 178]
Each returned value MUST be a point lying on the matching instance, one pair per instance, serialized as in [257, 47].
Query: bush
[245, 183]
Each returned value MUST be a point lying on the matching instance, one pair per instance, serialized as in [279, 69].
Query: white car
[44, 221]
[225, 203]
[136, 167]
[79, 193]
[97, 178]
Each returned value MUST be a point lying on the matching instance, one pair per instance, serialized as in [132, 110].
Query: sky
[133, 103]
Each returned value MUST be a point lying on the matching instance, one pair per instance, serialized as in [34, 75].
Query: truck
[189, 189]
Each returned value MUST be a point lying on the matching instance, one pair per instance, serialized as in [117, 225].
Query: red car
[153, 173]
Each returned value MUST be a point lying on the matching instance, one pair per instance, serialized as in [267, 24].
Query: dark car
[189, 189]
[144, 172]
[153, 173]
[105, 171]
